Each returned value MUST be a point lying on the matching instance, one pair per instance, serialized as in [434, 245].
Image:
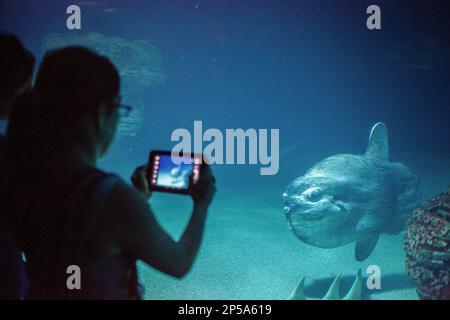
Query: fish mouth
[299, 207]
[305, 214]
[308, 212]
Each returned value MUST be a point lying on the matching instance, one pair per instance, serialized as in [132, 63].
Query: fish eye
[313, 194]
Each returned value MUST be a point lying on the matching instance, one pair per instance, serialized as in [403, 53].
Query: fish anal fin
[364, 248]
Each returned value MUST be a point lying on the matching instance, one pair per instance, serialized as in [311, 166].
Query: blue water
[309, 68]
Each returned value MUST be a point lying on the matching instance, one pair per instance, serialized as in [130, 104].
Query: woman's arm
[138, 232]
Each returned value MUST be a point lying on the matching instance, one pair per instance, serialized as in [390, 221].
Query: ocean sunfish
[352, 198]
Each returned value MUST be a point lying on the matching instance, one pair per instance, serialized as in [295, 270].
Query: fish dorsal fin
[378, 142]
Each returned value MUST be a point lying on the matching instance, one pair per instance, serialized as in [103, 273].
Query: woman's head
[74, 100]
[77, 77]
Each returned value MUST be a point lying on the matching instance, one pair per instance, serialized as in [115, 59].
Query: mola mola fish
[352, 198]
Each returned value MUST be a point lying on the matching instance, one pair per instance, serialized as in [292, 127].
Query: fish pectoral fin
[364, 248]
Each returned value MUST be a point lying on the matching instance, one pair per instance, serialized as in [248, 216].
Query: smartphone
[170, 172]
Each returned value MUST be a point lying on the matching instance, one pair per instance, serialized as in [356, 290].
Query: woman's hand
[140, 182]
[203, 191]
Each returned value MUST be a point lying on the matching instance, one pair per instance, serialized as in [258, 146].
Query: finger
[191, 180]
[136, 177]
[206, 173]
[209, 178]
[140, 169]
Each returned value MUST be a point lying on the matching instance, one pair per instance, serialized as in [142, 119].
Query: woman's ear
[100, 118]
[105, 125]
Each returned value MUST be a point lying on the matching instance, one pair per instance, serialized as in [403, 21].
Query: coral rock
[427, 246]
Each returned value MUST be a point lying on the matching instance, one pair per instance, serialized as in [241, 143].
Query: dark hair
[16, 66]
[70, 85]
[73, 81]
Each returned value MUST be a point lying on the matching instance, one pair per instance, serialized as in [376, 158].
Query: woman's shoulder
[125, 209]
[121, 194]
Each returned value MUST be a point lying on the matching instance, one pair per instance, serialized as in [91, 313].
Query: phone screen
[172, 176]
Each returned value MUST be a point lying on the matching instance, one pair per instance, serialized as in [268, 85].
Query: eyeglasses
[124, 110]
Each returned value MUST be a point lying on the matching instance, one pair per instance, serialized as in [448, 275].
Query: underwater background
[309, 68]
